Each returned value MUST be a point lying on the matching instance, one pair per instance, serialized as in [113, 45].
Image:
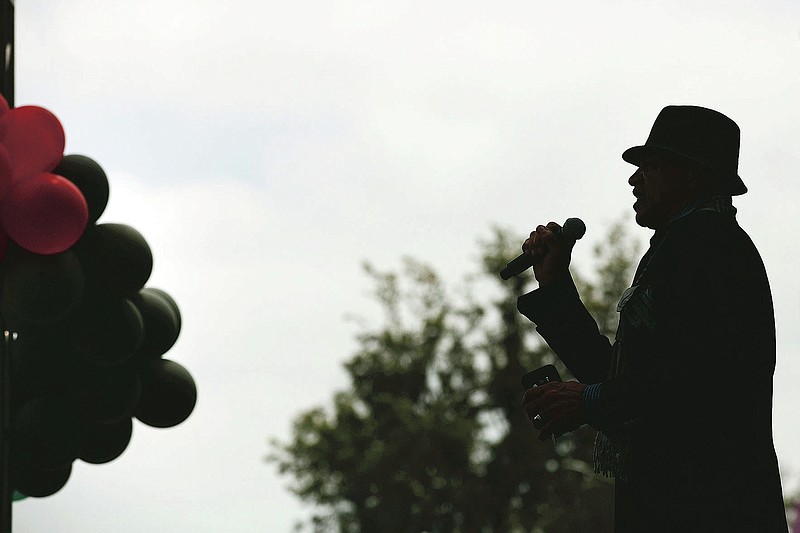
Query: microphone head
[573, 229]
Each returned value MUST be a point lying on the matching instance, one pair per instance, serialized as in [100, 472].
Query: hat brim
[634, 155]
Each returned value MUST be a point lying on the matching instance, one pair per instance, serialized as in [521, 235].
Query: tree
[791, 503]
[431, 435]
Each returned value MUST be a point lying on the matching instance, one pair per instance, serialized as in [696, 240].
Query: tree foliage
[431, 435]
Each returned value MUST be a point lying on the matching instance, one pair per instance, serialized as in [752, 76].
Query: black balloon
[169, 394]
[47, 434]
[108, 332]
[104, 443]
[45, 340]
[161, 324]
[116, 259]
[90, 178]
[40, 483]
[105, 395]
[170, 300]
[42, 288]
[41, 359]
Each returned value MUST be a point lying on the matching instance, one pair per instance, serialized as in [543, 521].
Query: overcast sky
[265, 149]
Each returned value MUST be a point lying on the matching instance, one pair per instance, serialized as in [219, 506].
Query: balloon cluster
[85, 336]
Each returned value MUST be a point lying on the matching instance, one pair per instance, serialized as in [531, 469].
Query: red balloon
[45, 214]
[5, 171]
[3, 105]
[3, 244]
[34, 139]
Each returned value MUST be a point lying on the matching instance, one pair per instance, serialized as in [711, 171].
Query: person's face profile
[661, 189]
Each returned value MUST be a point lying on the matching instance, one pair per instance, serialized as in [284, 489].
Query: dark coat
[694, 401]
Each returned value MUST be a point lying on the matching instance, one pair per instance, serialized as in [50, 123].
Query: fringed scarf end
[609, 458]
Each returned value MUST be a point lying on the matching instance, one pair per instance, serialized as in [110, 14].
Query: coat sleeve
[568, 328]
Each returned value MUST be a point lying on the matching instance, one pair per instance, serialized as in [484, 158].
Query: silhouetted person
[682, 399]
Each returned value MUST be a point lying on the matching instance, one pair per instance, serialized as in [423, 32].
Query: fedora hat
[697, 134]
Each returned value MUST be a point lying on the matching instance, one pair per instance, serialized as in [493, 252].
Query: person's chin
[643, 217]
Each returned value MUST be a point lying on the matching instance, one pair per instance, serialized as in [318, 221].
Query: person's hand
[559, 406]
[551, 256]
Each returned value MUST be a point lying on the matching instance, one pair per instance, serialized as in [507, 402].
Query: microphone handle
[521, 263]
[517, 266]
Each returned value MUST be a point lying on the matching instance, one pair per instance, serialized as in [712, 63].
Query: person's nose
[635, 178]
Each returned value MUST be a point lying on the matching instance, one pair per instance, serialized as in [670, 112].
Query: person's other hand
[559, 406]
[551, 256]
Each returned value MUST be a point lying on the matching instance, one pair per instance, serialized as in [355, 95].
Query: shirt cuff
[590, 401]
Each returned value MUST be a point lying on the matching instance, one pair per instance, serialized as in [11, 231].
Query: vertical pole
[7, 50]
[7, 88]
[5, 430]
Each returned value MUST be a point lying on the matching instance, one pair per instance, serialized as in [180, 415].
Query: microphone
[572, 230]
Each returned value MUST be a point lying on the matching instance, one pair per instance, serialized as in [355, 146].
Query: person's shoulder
[706, 227]
[707, 236]
[715, 238]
